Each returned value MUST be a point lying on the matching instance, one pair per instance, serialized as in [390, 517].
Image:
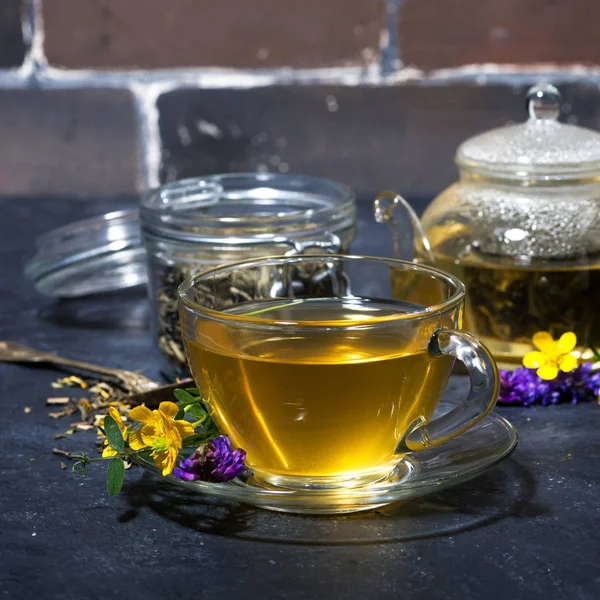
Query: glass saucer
[417, 474]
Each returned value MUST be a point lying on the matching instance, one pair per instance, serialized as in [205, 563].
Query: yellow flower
[552, 356]
[114, 413]
[160, 432]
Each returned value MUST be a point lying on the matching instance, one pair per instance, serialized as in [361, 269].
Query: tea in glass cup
[329, 384]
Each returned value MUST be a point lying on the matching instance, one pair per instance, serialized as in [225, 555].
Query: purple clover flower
[523, 387]
[213, 461]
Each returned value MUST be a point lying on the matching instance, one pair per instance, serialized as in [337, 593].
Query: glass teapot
[521, 229]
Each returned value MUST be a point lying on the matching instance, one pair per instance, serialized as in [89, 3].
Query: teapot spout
[410, 243]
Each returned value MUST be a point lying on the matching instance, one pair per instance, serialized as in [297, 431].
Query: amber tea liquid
[316, 403]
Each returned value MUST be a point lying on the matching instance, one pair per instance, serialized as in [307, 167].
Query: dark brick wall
[12, 45]
[438, 34]
[233, 33]
[372, 138]
[73, 142]
[127, 93]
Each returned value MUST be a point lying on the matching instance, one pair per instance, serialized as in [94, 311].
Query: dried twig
[66, 454]
[57, 401]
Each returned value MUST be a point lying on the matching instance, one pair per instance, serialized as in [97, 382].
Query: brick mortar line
[149, 138]
[388, 44]
[32, 24]
[478, 74]
[394, 58]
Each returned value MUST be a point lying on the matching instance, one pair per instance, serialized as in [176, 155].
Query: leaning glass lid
[540, 149]
[94, 255]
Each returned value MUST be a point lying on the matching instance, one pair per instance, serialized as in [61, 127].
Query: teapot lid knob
[543, 102]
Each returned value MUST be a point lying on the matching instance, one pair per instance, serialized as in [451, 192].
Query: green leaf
[114, 476]
[197, 411]
[183, 398]
[113, 434]
[193, 391]
[180, 414]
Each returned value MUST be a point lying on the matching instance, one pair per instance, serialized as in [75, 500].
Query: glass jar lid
[243, 207]
[94, 255]
[540, 149]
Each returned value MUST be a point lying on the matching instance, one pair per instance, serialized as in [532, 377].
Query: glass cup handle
[479, 402]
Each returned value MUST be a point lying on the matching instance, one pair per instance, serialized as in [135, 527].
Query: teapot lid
[541, 148]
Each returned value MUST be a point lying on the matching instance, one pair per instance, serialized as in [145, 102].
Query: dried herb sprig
[90, 408]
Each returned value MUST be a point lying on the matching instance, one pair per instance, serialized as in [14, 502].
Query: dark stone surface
[373, 138]
[527, 529]
[80, 142]
[12, 45]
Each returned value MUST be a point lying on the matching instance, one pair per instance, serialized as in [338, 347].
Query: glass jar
[521, 229]
[194, 224]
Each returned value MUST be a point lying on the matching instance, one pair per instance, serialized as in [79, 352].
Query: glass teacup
[320, 373]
